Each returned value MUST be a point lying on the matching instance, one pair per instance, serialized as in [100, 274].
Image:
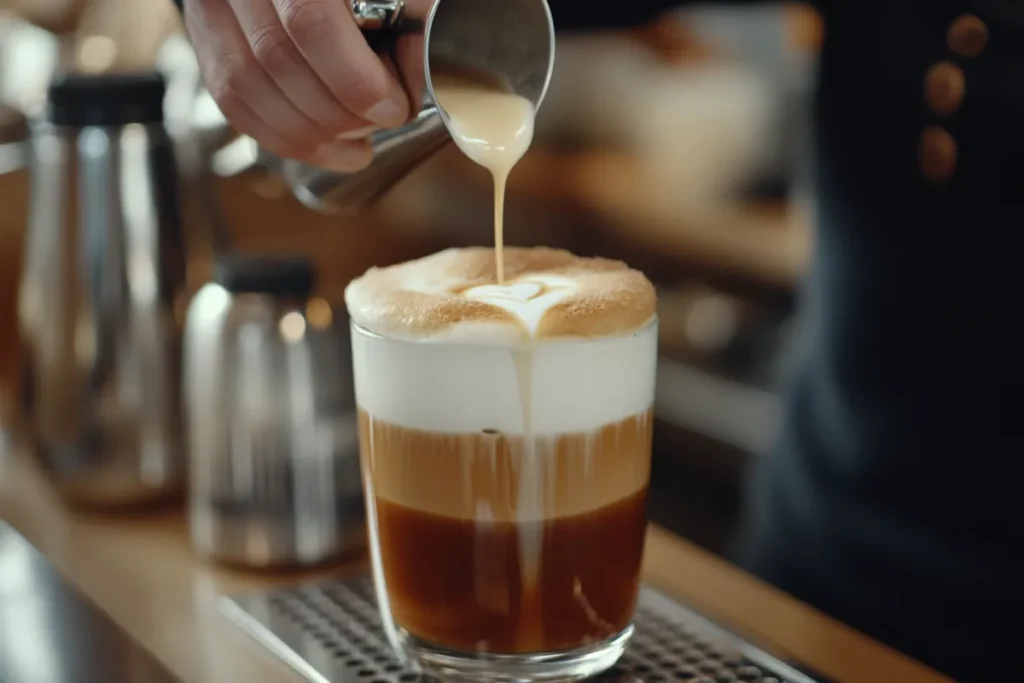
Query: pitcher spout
[397, 153]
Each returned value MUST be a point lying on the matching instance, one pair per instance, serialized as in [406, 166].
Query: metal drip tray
[331, 633]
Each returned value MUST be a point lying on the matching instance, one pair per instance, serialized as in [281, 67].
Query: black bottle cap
[281, 276]
[107, 99]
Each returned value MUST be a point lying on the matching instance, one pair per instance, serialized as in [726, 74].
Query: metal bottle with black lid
[104, 265]
[270, 418]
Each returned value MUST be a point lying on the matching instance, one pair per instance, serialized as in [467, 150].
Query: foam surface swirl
[547, 294]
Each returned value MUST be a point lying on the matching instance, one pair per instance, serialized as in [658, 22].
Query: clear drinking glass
[505, 492]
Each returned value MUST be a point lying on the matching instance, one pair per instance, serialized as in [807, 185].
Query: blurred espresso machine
[102, 275]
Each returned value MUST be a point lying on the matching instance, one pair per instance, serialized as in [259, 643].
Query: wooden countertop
[140, 570]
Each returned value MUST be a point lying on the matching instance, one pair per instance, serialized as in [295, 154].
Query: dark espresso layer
[463, 584]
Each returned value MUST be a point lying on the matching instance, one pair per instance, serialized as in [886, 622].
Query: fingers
[246, 96]
[274, 51]
[252, 101]
[327, 36]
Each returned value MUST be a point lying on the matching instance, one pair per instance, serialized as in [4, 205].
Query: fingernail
[342, 156]
[358, 134]
[386, 113]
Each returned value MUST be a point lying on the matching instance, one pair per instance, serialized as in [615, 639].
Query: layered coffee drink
[505, 436]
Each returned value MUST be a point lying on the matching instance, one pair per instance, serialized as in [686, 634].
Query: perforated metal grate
[331, 633]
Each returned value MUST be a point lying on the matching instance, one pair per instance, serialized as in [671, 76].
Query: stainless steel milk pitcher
[104, 265]
[512, 40]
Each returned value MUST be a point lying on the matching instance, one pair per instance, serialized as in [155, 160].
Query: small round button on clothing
[967, 36]
[937, 154]
[944, 86]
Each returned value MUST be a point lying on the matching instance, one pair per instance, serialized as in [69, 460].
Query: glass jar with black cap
[270, 418]
[100, 344]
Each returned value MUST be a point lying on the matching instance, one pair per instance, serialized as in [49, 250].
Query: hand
[299, 77]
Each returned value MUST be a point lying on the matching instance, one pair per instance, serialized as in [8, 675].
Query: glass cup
[505, 492]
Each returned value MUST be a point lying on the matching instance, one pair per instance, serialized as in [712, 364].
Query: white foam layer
[576, 386]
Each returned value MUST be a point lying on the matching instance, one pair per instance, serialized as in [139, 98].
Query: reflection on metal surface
[331, 633]
[50, 634]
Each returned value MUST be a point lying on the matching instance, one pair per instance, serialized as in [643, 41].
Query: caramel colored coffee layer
[495, 477]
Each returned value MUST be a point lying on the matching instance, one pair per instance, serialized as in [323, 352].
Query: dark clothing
[891, 499]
